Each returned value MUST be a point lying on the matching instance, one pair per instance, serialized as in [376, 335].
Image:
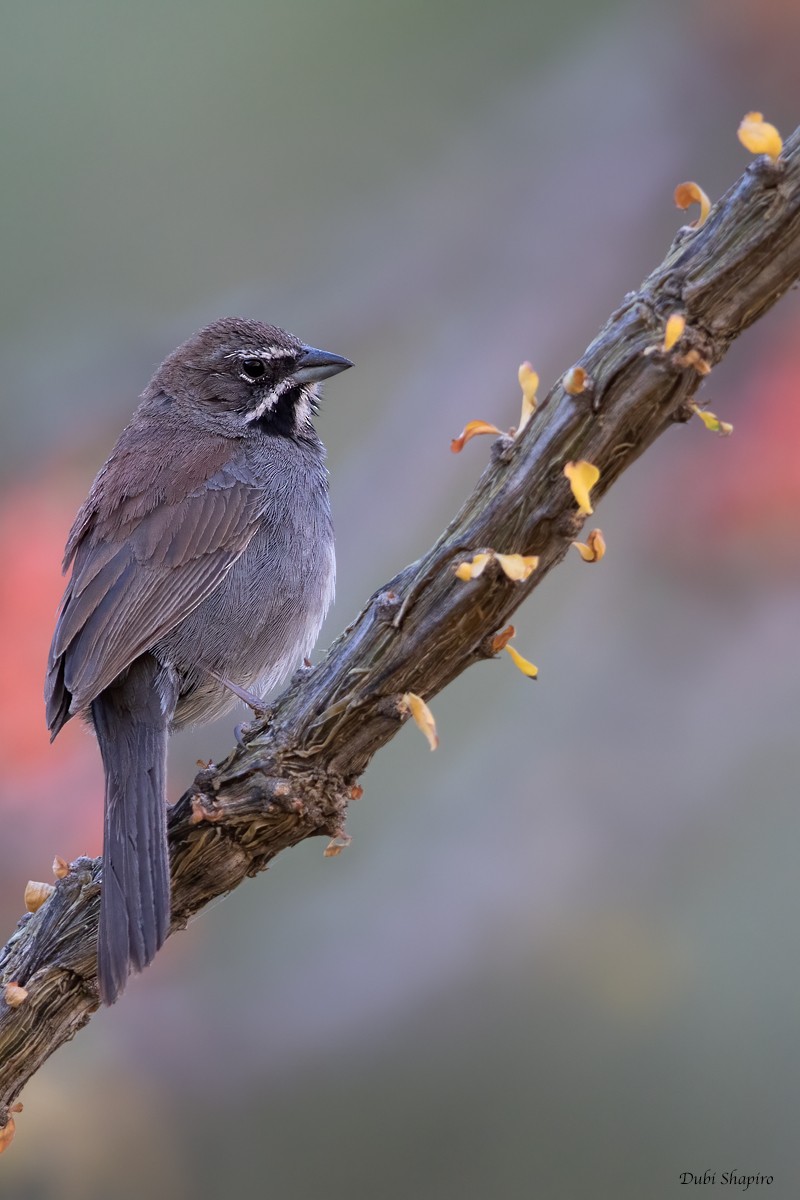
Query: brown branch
[294, 776]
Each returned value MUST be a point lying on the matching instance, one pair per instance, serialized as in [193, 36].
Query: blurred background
[561, 956]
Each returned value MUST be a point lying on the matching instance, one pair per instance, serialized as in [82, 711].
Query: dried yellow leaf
[36, 894]
[472, 568]
[422, 716]
[336, 845]
[693, 358]
[471, 430]
[521, 663]
[60, 867]
[574, 381]
[529, 382]
[594, 548]
[582, 477]
[14, 995]
[501, 639]
[759, 137]
[517, 566]
[691, 193]
[675, 326]
[7, 1134]
[597, 543]
[712, 422]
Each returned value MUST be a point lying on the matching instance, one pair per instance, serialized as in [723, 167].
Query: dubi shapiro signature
[729, 1178]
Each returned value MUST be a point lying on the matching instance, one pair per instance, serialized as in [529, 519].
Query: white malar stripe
[261, 408]
[303, 409]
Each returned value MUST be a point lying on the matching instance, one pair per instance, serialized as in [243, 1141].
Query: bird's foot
[261, 709]
[259, 706]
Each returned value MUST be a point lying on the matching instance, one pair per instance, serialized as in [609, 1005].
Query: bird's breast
[265, 615]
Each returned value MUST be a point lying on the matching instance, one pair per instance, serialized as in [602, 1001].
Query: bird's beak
[314, 365]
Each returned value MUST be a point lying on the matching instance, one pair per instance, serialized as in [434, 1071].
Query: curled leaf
[517, 566]
[574, 381]
[712, 422]
[582, 477]
[36, 893]
[675, 326]
[471, 430]
[529, 382]
[691, 193]
[472, 568]
[521, 663]
[594, 548]
[60, 867]
[336, 845]
[14, 995]
[423, 717]
[501, 639]
[759, 137]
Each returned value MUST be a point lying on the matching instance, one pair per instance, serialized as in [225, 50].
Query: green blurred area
[161, 156]
[560, 957]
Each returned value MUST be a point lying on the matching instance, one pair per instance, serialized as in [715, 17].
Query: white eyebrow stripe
[265, 354]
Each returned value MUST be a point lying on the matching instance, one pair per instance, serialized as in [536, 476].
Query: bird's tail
[132, 728]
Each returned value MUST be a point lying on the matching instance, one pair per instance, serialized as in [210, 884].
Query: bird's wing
[140, 566]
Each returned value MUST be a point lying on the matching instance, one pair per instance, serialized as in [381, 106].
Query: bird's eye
[253, 368]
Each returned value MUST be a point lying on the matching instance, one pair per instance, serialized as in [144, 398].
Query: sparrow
[202, 566]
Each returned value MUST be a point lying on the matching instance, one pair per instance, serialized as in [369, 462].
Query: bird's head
[247, 375]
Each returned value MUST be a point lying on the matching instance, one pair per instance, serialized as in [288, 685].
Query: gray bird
[202, 569]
